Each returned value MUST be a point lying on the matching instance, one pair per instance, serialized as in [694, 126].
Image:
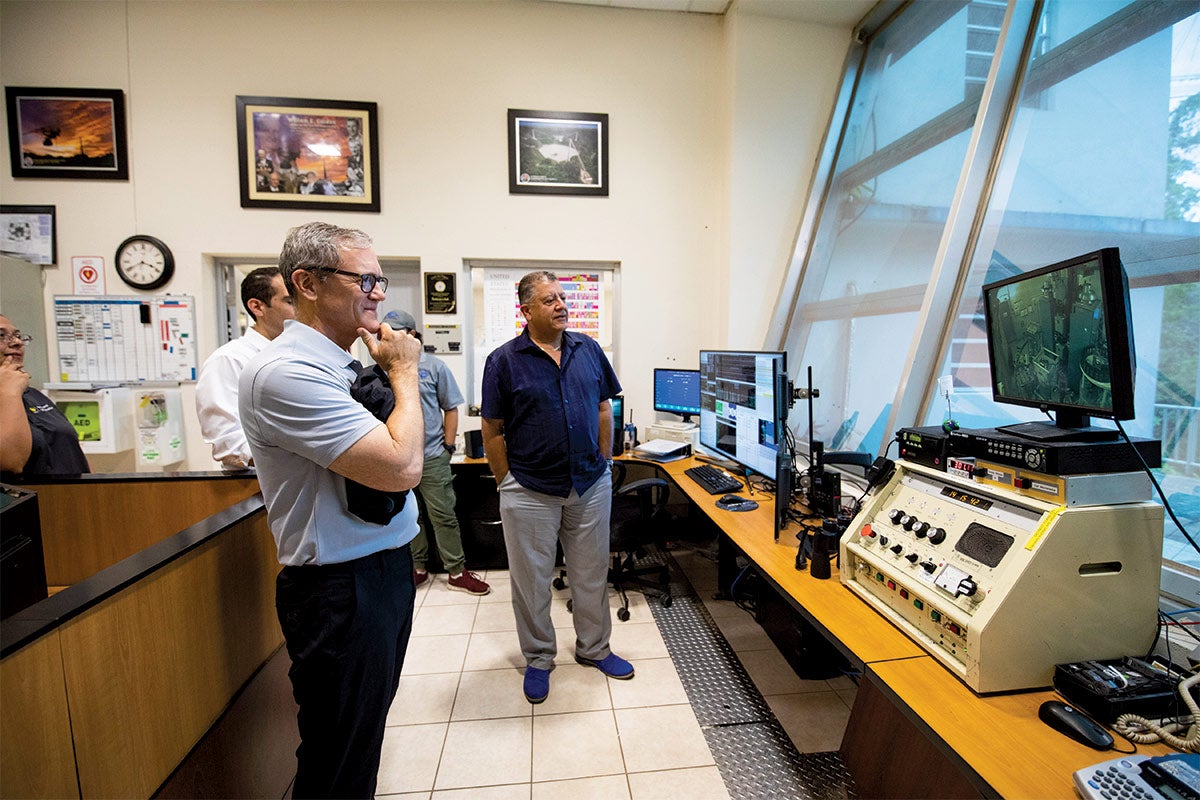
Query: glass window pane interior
[906, 137]
[1105, 152]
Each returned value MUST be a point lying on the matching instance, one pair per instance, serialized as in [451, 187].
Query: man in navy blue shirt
[547, 433]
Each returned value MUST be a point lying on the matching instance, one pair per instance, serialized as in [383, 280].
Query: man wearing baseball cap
[440, 399]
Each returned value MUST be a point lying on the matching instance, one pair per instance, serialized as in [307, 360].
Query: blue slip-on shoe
[537, 684]
[611, 665]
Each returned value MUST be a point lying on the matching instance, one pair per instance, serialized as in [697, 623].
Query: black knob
[967, 586]
[937, 535]
[883, 540]
[928, 566]
[895, 514]
[907, 521]
[912, 557]
[920, 528]
[898, 549]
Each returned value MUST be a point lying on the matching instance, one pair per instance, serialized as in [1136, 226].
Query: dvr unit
[928, 446]
[1055, 457]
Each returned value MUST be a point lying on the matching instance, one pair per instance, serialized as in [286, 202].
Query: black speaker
[474, 440]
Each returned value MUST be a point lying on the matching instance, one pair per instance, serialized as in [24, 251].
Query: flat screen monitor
[739, 416]
[677, 391]
[1060, 339]
[618, 409]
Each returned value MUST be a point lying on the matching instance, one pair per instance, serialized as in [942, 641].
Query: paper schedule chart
[122, 339]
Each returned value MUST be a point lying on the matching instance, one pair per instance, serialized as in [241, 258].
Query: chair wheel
[623, 614]
[571, 605]
[666, 601]
[558, 583]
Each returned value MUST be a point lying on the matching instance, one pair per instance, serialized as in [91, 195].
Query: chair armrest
[643, 484]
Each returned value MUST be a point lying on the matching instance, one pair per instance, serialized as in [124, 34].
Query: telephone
[1173, 777]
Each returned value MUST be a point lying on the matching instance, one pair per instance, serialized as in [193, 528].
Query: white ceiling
[845, 13]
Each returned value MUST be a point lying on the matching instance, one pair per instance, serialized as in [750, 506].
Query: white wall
[444, 74]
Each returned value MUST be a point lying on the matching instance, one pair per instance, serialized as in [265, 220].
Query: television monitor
[740, 417]
[677, 391]
[1060, 339]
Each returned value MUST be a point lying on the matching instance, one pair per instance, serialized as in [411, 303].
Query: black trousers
[346, 627]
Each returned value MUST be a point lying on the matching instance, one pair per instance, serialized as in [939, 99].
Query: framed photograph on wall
[557, 152]
[67, 133]
[308, 154]
[29, 233]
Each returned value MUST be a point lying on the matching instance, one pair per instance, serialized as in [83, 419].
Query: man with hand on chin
[547, 435]
[345, 594]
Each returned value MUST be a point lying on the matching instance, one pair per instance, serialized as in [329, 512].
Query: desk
[859, 631]
[915, 729]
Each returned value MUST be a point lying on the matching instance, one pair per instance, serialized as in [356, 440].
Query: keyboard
[713, 480]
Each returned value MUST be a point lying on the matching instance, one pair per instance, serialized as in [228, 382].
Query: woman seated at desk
[35, 437]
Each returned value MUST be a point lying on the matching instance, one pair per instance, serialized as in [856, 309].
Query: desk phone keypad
[1119, 782]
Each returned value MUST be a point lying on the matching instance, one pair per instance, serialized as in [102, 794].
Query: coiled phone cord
[1140, 730]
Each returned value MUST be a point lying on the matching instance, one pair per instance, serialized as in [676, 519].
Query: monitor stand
[1049, 432]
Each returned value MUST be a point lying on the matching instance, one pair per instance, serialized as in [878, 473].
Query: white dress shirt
[217, 399]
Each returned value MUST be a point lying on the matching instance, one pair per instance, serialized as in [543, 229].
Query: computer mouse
[1074, 723]
[733, 502]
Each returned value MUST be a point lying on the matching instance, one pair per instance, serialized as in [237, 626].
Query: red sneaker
[468, 582]
[419, 577]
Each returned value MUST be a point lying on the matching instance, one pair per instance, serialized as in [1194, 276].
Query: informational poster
[125, 339]
[589, 293]
[502, 309]
[583, 297]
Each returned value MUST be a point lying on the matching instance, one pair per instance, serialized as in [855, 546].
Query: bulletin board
[591, 292]
[125, 339]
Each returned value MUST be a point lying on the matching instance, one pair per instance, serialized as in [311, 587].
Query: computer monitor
[618, 409]
[677, 391]
[1060, 338]
[739, 413]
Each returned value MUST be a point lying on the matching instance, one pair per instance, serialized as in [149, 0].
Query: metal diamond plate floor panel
[755, 757]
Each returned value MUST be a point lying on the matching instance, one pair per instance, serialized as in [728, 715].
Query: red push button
[866, 530]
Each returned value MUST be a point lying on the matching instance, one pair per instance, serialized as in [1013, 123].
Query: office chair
[636, 527]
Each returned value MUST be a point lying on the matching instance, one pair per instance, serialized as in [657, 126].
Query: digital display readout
[966, 497]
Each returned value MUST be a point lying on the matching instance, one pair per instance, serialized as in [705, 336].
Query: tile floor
[461, 727]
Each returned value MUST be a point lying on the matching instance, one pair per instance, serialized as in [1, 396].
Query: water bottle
[629, 439]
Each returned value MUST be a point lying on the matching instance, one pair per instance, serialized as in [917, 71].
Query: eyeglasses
[366, 282]
[16, 336]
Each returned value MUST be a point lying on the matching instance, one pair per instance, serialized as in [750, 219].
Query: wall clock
[144, 262]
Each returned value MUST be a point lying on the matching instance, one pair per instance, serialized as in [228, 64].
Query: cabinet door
[479, 517]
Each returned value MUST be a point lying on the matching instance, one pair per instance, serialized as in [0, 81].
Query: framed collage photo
[29, 233]
[67, 133]
[557, 152]
[308, 154]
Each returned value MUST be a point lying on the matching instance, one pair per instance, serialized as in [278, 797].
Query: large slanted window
[1084, 133]
[903, 145]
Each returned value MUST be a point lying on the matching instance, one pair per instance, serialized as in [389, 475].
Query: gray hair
[317, 244]
[529, 283]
